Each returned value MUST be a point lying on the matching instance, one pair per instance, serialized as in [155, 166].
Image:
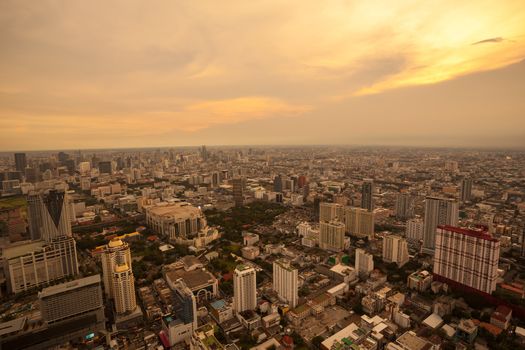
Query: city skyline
[300, 73]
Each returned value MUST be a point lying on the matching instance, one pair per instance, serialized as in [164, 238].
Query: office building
[466, 190]
[332, 235]
[244, 288]
[468, 257]
[239, 184]
[414, 230]
[438, 211]
[359, 222]
[330, 211]
[185, 303]
[30, 265]
[20, 162]
[32, 175]
[278, 183]
[404, 208]
[285, 282]
[69, 300]
[119, 282]
[49, 215]
[395, 250]
[367, 191]
[71, 312]
[364, 263]
[105, 167]
[52, 254]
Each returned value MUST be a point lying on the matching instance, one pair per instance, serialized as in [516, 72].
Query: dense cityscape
[263, 248]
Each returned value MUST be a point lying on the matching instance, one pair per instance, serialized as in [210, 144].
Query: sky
[103, 74]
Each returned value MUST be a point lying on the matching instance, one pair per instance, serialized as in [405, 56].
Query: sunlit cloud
[87, 68]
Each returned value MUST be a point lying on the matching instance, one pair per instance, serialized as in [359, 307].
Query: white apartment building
[395, 250]
[285, 282]
[244, 288]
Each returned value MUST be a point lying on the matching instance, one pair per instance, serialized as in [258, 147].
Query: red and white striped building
[466, 256]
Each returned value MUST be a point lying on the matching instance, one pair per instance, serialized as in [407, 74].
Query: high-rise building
[285, 281]
[466, 190]
[438, 211]
[30, 265]
[119, 282]
[330, 211]
[404, 208]
[414, 230]
[20, 162]
[468, 257]
[32, 174]
[332, 235]
[364, 263]
[277, 183]
[52, 253]
[185, 303]
[105, 167]
[395, 250]
[244, 288]
[239, 184]
[367, 191]
[359, 222]
[49, 215]
[69, 300]
[84, 168]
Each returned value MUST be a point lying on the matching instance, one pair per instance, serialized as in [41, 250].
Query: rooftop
[411, 341]
[193, 279]
[481, 233]
[68, 286]
[21, 248]
[175, 210]
[12, 326]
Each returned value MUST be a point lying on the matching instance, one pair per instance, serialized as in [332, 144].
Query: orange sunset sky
[99, 74]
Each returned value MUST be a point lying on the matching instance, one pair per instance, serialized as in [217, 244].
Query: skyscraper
[119, 282]
[395, 250]
[277, 183]
[364, 262]
[404, 208]
[438, 211]
[359, 222]
[244, 288]
[469, 257]
[330, 211]
[367, 190]
[20, 162]
[239, 184]
[285, 281]
[52, 254]
[414, 230]
[332, 235]
[105, 167]
[466, 190]
[185, 303]
[49, 215]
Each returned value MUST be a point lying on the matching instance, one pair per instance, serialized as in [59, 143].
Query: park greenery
[237, 219]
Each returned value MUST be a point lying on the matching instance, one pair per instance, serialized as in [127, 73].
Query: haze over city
[129, 74]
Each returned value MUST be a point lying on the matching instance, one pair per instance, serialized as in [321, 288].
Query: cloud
[487, 41]
[188, 66]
